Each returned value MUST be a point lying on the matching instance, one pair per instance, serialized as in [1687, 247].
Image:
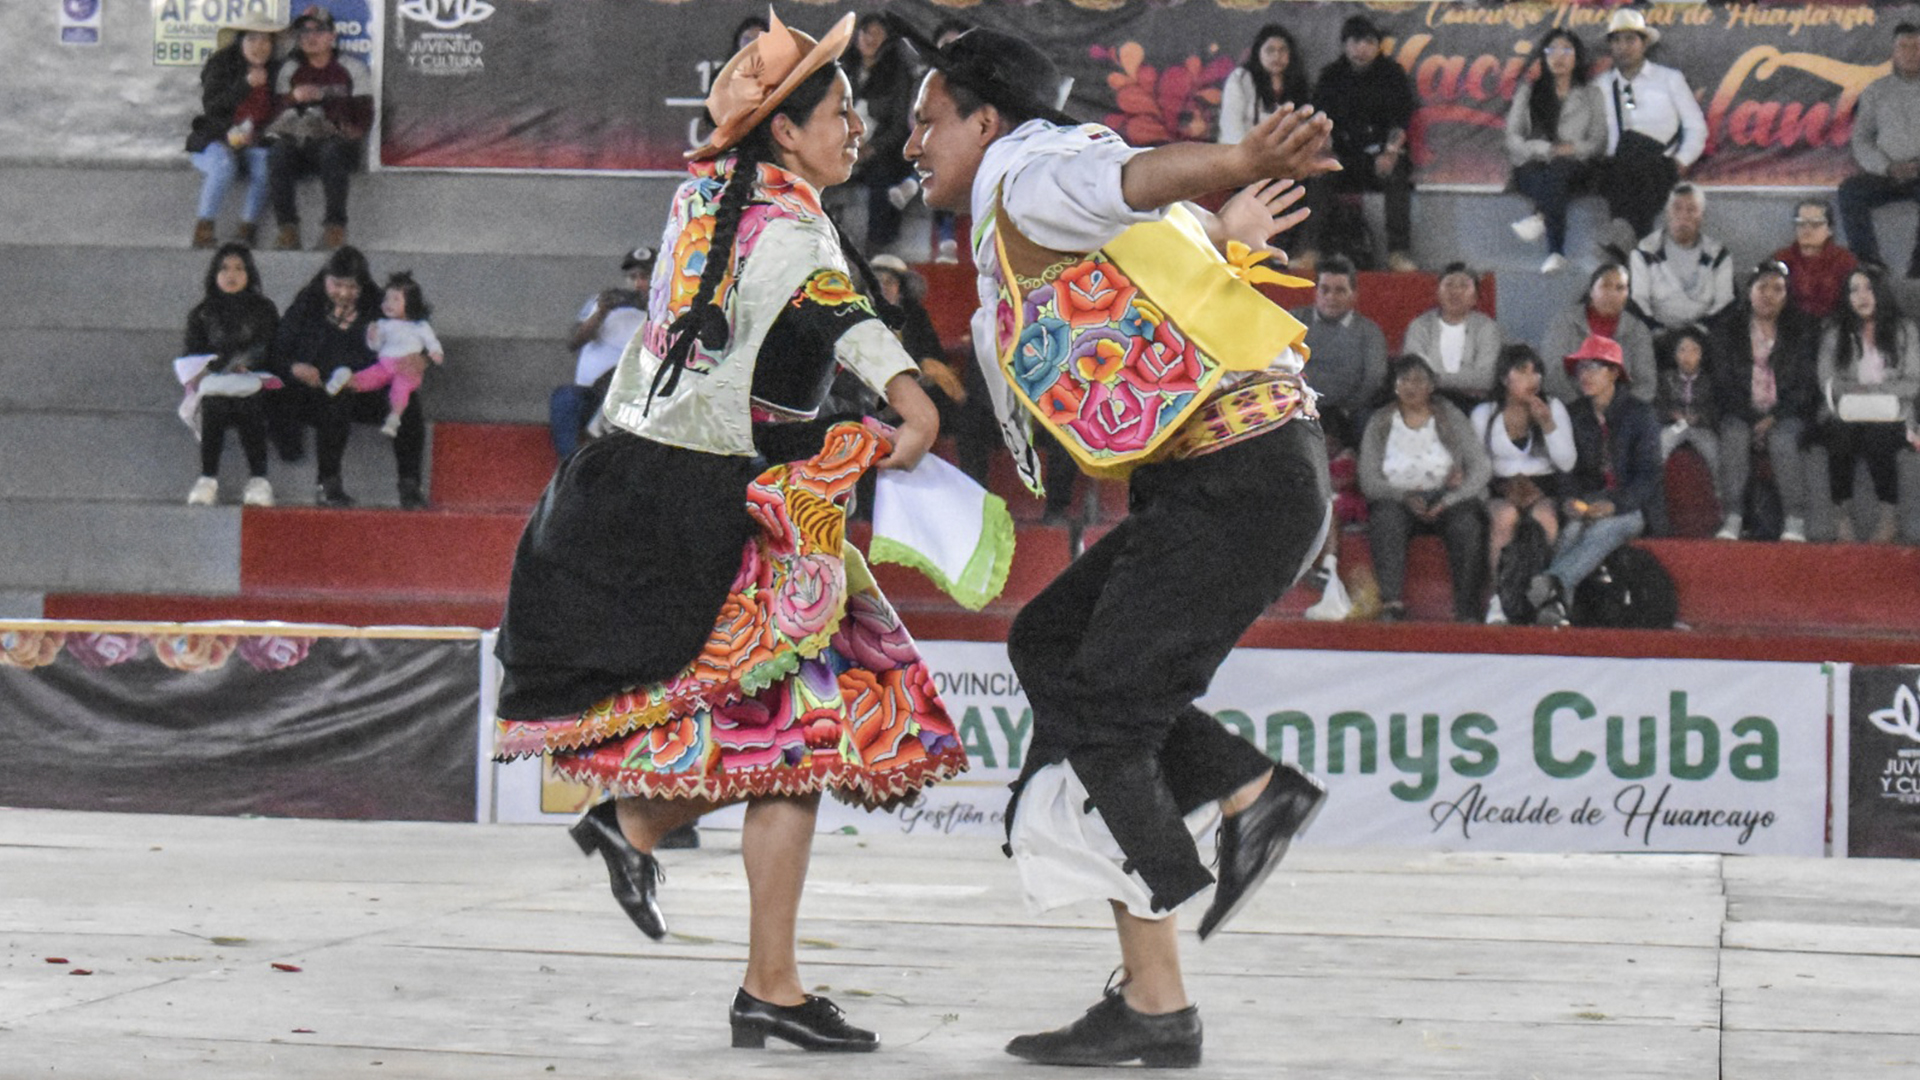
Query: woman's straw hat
[760, 76]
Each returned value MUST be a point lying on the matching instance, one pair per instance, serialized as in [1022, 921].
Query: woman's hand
[919, 422]
[256, 77]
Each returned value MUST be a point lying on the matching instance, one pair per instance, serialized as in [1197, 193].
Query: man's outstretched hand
[1291, 144]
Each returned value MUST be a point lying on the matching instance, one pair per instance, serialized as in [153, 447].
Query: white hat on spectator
[251, 24]
[1628, 20]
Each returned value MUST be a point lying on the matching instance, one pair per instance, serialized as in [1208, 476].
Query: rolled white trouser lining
[1067, 855]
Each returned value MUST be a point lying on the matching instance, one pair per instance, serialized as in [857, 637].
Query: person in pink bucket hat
[1615, 484]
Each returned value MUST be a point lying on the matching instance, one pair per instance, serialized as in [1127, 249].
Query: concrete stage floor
[443, 951]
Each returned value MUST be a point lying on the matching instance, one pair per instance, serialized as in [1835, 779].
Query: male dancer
[1224, 515]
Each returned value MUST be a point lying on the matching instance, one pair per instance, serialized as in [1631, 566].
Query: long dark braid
[705, 320]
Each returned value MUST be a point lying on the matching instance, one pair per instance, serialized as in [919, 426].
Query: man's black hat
[1004, 71]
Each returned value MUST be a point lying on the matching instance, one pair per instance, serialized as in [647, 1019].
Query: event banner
[618, 84]
[1456, 752]
[1882, 750]
[288, 721]
[184, 30]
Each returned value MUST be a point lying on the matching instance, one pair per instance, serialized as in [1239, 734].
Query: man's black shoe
[329, 492]
[1253, 841]
[1112, 1033]
[411, 497]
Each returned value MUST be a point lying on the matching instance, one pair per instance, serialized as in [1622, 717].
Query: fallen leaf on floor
[303, 1031]
[818, 943]
[285, 967]
[1589, 1016]
[228, 940]
[80, 971]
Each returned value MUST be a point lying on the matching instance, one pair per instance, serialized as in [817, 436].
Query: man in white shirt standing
[1655, 129]
[1114, 651]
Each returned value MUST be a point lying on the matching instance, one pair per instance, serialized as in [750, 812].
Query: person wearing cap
[607, 321]
[685, 626]
[236, 105]
[1766, 352]
[1071, 225]
[325, 104]
[1616, 482]
[1370, 101]
[1655, 129]
[1886, 146]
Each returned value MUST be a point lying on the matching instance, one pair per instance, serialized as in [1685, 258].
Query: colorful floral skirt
[807, 682]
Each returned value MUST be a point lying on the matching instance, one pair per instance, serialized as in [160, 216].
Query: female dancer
[685, 625]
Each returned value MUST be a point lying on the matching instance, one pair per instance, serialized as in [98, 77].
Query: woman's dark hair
[705, 321]
[1406, 362]
[1599, 272]
[1666, 347]
[1543, 105]
[1825, 205]
[751, 22]
[1886, 317]
[1511, 358]
[232, 247]
[1293, 81]
[417, 307]
[347, 262]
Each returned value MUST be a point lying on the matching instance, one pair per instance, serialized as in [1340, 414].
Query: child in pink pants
[403, 332]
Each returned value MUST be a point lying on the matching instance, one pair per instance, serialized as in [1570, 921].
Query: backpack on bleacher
[1631, 590]
[1526, 556]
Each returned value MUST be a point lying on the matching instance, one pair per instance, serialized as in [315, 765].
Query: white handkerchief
[938, 521]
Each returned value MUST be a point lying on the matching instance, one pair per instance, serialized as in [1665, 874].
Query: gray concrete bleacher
[96, 279]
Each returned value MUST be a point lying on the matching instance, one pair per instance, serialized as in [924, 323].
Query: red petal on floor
[285, 967]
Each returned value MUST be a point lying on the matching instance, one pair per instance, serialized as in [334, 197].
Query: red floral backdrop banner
[295, 722]
[617, 84]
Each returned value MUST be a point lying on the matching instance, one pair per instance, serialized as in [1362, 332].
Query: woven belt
[1252, 408]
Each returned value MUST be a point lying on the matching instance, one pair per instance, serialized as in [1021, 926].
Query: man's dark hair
[1905, 29]
[1340, 266]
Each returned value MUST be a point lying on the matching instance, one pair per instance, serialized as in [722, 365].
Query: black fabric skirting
[621, 573]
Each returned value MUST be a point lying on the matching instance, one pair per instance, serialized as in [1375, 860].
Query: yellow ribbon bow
[1244, 262]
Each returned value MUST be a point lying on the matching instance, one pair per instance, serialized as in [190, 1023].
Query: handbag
[1861, 407]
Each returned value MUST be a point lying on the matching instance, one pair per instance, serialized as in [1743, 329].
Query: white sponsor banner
[1449, 752]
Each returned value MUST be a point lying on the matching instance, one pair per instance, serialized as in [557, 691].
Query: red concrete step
[336, 609]
[374, 552]
[490, 466]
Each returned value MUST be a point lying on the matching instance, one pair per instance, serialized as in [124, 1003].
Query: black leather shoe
[634, 874]
[814, 1024]
[411, 497]
[1253, 841]
[1112, 1033]
[329, 492]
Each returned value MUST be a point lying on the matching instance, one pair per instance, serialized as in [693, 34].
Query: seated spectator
[325, 328]
[1370, 101]
[607, 321]
[1655, 129]
[1529, 442]
[1768, 390]
[1458, 339]
[234, 323]
[1556, 129]
[1688, 411]
[882, 74]
[1886, 146]
[1274, 73]
[1680, 275]
[1869, 371]
[1349, 365]
[1616, 479]
[1422, 469]
[325, 102]
[1817, 266]
[1601, 310]
[396, 338]
[236, 105]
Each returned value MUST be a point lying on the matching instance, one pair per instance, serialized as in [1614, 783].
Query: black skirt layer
[621, 572]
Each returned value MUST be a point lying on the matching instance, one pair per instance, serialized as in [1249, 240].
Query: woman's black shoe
[634, 874]
[1253, 841]
[814, 1024]
[1112, 1033]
